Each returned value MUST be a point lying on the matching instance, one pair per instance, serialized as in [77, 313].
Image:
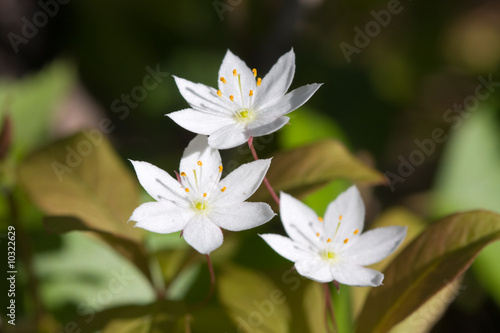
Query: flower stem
[212, 277]
[329, 311]
[266, 181]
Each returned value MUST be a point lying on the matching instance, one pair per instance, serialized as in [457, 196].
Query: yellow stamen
[204, 195]
[223, 189]
[328, 240]
[199, 163]
[346, 240]
[187, 190]
[223, 79]
[259, 81]
[251, 93]
[320, 219]
[231, 98]
[219, 93]
[340, 218]
[317, 234]
[183, 174]
[220, 168]
[235, 72]
[254, 71]
[356, 231]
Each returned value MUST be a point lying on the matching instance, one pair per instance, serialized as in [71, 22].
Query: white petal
[241, 216]
[228, 137]
[301, 222]
[358, 276]
[208, 173]
[289, 102]
[201, 96]
[200, 122]
[286, 247]
[162, 217]
[315, 269]
[240, 184]
[374, 245]
[264, 126]
[350, 205]
[158, 183]
[202, 234]
[232, 87]
[277, 81]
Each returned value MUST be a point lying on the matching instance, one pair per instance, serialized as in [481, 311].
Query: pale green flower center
[244, 115]
[329, 255]
[200, 206]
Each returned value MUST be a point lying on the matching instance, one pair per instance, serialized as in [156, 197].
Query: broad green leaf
[254, 303]
[438, 256]
[302, 170]
[314, 308]
[87, 273]
[31, 102]
[394, 216]
[130, 249]
[308, 126]
[468, 178]
[82, 176]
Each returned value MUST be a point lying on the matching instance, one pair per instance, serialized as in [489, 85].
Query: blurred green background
[418, 72]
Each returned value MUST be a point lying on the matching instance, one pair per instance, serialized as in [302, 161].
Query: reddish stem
[266, 181]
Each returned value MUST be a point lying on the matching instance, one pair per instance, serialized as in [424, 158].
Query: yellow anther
[235, 73]
[254, 71]
[219, 93]
[346, 240]
[220, 168]
[259, 81]
[223, 189]
[199, 163]
[356, 231]
[320, 219]
[183, 174]
[317, 234]
[251, 93]
[340, 218]
[204, 195]
[328, 240]
[223, 79]
[187, 190]
[231, 98]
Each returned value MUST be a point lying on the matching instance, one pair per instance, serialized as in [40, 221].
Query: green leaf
[130, 249]
[301, 171]
[254, 303]
[31, 102]
[82, 176]
[468, 178]
[314, 308]
[437, 257]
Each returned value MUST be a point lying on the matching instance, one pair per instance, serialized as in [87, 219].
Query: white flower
[201, 203]
[244, 106]
[334, 248]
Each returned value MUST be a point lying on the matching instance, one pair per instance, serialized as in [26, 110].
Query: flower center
[329, 255]
[244, 115]
[200, 206]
